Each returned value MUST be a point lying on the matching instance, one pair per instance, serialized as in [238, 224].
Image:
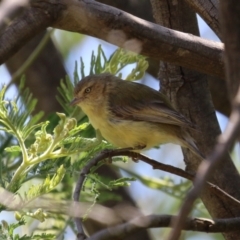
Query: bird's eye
[88, 90]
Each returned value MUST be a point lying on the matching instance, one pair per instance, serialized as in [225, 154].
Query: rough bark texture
[231, 36]
[219, 95]
[121, 29]
[190, 92]
[209, 11]
[143, 10]
[38, 18]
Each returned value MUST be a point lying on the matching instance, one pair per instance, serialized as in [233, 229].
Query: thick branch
[208, 10]
[208, 166]
[135, 34]
[231, 35]
[119, 28]
[24, 28]
[182, 86]
[142, 9]
[9, 10]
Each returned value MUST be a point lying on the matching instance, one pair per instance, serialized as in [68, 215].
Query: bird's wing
[144, 104]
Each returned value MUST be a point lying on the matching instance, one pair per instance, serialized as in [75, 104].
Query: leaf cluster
[50, 152]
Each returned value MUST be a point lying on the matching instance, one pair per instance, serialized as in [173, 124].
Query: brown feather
[147, 105]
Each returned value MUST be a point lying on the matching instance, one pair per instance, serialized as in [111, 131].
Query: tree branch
[207, 167]
[209, 11]
[119, 28]
[134, 155]
[31, 22]
[142, 9]
[231, 35]
[159, 221]
[230, 20]
[115, 216]
[9, 9]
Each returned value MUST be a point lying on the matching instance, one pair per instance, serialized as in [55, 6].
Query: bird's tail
[190, 144]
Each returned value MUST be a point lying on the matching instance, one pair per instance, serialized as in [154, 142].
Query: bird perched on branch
[130, 114]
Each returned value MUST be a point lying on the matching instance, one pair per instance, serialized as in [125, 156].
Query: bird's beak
[75, 101]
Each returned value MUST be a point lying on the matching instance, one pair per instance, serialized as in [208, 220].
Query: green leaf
[46, 151]
[121, 182]
[13, 149]
[48, 184]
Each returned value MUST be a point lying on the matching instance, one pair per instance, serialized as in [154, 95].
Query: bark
[189, 90]
[143, 10]
[231, 36]
[220, 98]
[12, 41]
[209, 11]
[119, 28]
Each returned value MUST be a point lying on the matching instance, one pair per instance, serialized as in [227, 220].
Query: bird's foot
[139, 147]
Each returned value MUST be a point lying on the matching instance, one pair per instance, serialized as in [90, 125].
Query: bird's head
[91, 90]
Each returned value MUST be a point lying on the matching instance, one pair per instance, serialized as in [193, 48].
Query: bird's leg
[109, 151]
[139, 147]
[136, 148]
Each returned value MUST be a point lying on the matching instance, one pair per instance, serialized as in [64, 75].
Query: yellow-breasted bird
[130, 114]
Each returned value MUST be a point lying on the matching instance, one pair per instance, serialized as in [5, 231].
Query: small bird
[131, 115]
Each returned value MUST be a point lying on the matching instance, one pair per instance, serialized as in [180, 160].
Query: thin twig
[76, 195]
[114, 216]
[181, 173]
[134, 155]
[157, 221]
[31, 58]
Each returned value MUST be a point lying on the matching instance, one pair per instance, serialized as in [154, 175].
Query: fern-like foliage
[52, 151]
[100, 64]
